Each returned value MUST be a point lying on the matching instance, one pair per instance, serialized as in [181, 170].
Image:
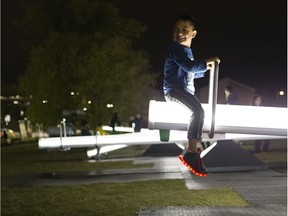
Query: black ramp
[225, 156]
[229, 156]
[160, 150]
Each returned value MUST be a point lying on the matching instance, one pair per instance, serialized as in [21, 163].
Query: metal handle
[62, 130]
[213, 91]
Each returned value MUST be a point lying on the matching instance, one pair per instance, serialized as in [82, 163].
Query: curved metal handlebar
[212, 101]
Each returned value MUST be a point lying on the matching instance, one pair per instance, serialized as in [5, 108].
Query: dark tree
[82, 59]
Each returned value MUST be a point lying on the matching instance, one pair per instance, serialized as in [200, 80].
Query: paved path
[264, 190]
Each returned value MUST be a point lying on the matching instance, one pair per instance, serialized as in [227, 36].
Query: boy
[180, 70]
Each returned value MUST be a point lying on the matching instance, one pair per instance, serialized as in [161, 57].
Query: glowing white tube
[119, 129]
[232, 122]
[112, 142]
[145, 137]
[229, 118]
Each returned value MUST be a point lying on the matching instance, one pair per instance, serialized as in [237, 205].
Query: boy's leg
[192, 145]
[195, 126]
[191, 157]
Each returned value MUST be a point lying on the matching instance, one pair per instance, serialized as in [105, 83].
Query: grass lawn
[93, 199]
[26, 158]
[110, 198]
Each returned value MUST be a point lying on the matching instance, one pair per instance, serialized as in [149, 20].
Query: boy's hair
[185, 17]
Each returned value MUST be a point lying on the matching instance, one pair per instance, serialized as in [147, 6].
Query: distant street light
[281, 93]
[109, 106]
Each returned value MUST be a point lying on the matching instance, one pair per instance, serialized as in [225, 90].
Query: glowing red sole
[190, 168]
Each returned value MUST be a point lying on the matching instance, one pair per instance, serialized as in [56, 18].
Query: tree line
[81, 59]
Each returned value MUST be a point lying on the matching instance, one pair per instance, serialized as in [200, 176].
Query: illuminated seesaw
[97, 145]
[233, 121]
[167, 123]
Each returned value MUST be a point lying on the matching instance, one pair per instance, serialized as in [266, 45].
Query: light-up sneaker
[194, 162]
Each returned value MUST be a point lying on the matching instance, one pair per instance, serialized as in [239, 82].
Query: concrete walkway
[264, 190]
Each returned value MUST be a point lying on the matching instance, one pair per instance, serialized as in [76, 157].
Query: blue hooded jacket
[179, 67]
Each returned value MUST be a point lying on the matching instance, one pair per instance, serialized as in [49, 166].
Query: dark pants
[187, 98]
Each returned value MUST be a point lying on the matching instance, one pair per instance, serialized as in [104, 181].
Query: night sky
[250, 37]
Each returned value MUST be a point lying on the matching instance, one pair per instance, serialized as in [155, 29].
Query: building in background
[243, 92]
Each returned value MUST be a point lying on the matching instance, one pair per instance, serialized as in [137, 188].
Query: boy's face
[183, 32]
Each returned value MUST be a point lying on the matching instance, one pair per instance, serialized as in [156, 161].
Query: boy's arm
[195, 66]
[180, 57]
